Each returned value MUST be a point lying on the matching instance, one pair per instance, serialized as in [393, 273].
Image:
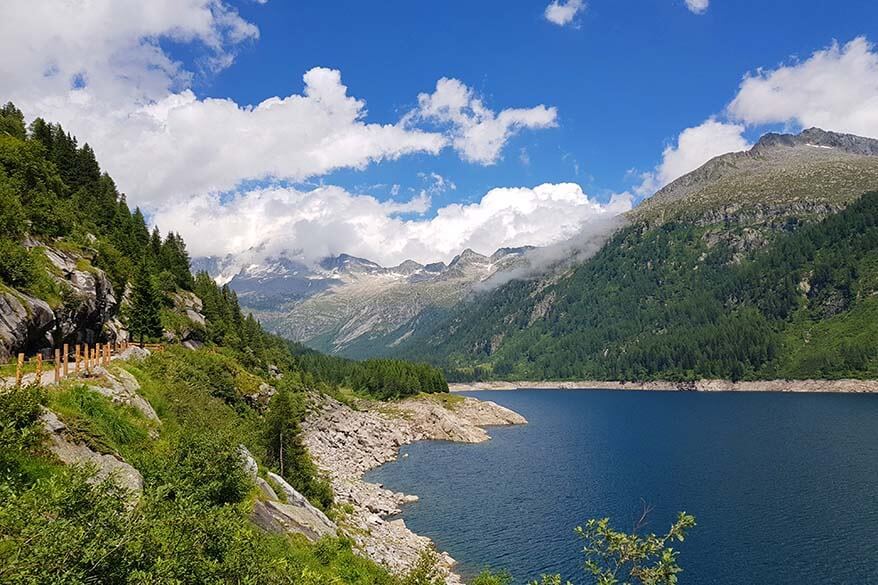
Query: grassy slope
[187, 407]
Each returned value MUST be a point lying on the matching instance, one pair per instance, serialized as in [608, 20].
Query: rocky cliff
[83, 310]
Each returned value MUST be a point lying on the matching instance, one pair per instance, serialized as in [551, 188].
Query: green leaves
[613, 557]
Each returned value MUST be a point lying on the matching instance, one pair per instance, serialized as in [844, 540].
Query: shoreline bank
[347, 442]
[846, 386]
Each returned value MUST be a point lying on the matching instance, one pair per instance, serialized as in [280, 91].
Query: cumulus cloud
[562, 12]
[103, 73]
[693, 147]
[330, 220]
[478, 133]
[698, 6]
[835, 88]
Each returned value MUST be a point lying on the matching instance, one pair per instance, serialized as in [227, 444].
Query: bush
[20, 432]
[202, 467]
[17, 266]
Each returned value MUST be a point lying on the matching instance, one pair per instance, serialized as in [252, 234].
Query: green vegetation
[682, 302]
[192, 523]
[144, 316]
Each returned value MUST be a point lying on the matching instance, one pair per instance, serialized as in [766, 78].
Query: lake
[784, 486]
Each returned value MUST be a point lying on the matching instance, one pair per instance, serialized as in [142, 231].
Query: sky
[394, 130]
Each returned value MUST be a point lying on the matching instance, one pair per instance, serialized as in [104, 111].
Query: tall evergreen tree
[144, 318]
[12, 121]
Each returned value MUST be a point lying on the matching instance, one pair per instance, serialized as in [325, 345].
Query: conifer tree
[144, 317]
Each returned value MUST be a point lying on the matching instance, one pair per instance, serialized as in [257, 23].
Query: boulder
[91, 302]
[25, 324]
[279, 518]
[248, 462]
[295, 515]
[71, 452]
[266, 489]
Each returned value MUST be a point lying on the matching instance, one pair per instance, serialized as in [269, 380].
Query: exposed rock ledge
[346, 443]
[846, 386]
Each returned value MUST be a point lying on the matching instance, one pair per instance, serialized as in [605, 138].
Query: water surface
[784, 487]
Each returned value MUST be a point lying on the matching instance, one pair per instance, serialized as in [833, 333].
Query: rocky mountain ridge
[813, 173]
[345, 300]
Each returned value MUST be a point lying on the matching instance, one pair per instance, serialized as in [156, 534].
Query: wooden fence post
[19, 370]
[39, 376]
[65, 353]
[106, 355]
[76, 354]
[57, 365]
[86, 356]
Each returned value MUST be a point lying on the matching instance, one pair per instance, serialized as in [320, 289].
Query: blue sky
[396, 130]
[625, 79]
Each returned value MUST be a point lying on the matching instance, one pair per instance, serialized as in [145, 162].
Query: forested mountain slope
[759, 264]
[185, 466]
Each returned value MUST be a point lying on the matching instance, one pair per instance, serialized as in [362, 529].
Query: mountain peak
[407, 267]
[468, 257]
[348, 263]
[817, 137]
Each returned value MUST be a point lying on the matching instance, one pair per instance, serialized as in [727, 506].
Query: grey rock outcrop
[86, 314]
[25, 323]
[90, 304]
[292, 515]
[72, 452]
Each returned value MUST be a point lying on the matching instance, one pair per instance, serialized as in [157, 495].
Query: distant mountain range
[758, 264]
[343, 303]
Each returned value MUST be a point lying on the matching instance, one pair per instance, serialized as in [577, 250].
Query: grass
[93, 418]
[446, 399]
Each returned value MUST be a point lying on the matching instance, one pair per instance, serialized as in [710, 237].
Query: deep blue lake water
[784, 487]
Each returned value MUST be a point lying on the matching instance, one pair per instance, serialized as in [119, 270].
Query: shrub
[17, 266]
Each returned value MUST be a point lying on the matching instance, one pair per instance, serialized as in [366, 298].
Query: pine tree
[12, 121]
[144, 318]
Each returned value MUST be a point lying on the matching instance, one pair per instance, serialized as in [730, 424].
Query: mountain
[351, 305]
[758, 264]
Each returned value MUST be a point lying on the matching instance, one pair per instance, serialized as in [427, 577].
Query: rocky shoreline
[801, 386]
[347, 441]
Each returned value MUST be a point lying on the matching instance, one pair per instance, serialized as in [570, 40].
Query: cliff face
[84, 312]
[346, 443]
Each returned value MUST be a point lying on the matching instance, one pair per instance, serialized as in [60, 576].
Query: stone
[248, 462]
[133, 353]
[345, 443]
[70, 452]
[25, 323]
[280, 518]
[266, 489]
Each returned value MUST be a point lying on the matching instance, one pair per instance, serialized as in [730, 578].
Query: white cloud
[330, 220]
[562, 12]
[694, 147]
[835, 88]
[103, 74]
[478, 133]
[698, 6]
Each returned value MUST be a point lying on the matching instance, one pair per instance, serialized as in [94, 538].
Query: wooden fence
[80, 358]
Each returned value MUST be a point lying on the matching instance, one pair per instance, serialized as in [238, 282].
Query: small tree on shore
[144, 319]
[614, 558]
